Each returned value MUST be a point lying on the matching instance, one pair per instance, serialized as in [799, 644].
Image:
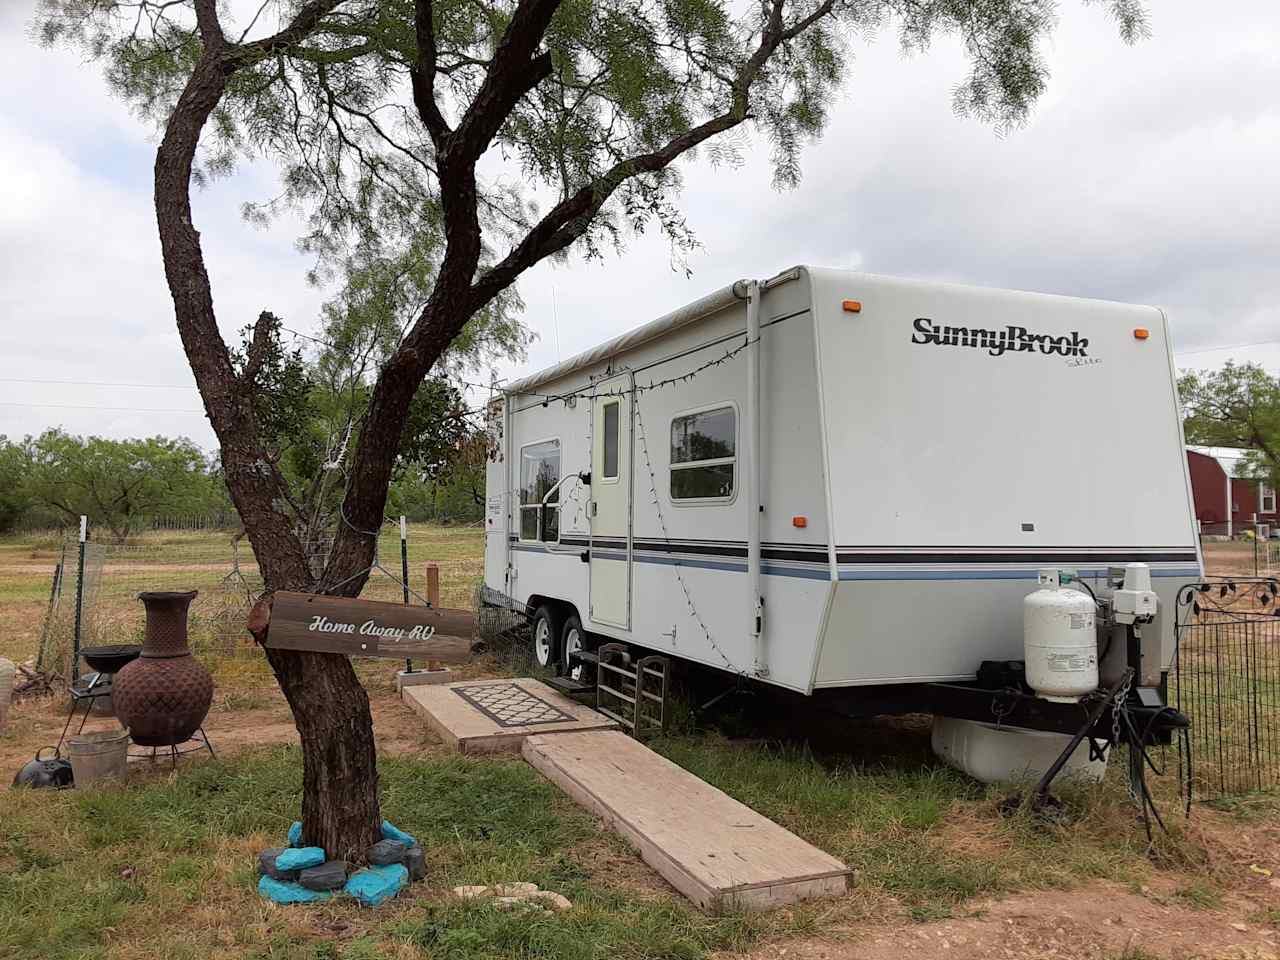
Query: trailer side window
[539, 473]
[703, 446]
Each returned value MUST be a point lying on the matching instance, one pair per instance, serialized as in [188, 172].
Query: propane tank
[1059, 639]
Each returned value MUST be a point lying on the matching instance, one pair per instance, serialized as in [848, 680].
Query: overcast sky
[1148, 174]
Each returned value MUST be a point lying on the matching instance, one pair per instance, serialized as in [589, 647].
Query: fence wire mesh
[220, 565]
[1226, 679]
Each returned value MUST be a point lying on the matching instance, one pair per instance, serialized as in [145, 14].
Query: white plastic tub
[1001, 754]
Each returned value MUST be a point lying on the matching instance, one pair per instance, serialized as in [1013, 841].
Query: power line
[1229, 346]
[94, 406]
[98, 383]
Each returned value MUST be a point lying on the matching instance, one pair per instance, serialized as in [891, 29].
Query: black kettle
[45, 773]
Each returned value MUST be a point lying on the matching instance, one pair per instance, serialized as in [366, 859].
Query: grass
[1200, 893]
[921, 837]
[118, 871]
[163, 867]
[204, 561]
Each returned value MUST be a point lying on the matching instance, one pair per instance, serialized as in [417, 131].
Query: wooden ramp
[494, 716]
[718, 852]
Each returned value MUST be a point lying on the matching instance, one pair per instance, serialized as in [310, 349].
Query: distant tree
[453, 490]
[117, 483]
[1236, 406]
[488, 136]
[15, 467]
[311, 404]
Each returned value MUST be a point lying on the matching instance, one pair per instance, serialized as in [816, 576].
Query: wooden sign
[369, 628]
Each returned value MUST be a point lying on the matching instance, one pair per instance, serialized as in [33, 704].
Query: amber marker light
[1141, 333]
[800, 522]
[852, 306]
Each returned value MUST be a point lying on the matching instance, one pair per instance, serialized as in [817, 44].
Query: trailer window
[539, 473]
[612, 424]
[703, 457]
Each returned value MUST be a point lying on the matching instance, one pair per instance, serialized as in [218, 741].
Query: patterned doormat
[508, 705]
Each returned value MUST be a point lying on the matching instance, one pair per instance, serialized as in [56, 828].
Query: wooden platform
[718, 852]
[494, 716]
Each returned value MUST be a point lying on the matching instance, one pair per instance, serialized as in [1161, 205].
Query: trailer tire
[572, 638]
[547, 633]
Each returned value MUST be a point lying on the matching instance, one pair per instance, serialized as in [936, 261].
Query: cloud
[1146, 174]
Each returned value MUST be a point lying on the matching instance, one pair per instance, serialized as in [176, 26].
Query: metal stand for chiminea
[197, 742]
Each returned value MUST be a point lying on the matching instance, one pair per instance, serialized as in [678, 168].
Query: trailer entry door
[610, 511]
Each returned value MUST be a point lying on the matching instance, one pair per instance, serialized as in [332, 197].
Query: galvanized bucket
[98, 755]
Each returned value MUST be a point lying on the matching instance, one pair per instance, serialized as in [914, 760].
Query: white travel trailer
[835, 481]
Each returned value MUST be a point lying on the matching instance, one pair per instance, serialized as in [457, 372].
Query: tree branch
[258, 347]
[422, 75]
[516, 69]
[571, 218]
[207, 23]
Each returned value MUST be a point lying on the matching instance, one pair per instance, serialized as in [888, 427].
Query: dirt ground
[36, 724]
[1098, 920]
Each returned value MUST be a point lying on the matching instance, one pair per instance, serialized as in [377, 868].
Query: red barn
[1227, 503]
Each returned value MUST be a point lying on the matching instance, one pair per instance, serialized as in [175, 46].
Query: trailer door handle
[585, 556]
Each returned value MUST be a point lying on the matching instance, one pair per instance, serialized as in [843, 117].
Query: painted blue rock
[390, 832]
[281, 891]
[375, 885]
[295, 834]
[299, 858]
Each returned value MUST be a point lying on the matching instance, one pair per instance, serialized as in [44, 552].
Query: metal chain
[1117, 708]
[662, 523]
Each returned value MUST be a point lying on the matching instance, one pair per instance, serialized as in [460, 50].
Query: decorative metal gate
[1226, 679]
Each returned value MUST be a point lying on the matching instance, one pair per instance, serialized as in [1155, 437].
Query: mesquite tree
[476, 138]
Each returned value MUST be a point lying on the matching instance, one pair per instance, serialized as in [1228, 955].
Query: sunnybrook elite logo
[1011, 339]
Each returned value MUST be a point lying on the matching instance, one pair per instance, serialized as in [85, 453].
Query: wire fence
[93, 601]
[1226, 679]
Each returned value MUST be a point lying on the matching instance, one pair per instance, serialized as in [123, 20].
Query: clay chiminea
[164, 695]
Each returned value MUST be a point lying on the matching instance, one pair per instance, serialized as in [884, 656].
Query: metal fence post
[404, 575]
[75, 641]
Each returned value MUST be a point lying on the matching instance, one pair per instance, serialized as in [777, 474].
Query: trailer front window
[703, 457]
[539, 474]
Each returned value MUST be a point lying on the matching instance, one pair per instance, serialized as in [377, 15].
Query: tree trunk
[339, 760]
[330, 708]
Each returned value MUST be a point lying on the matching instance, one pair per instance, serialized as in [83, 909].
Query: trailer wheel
[546, 637]
[573, 639]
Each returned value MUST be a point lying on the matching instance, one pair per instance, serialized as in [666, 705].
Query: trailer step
[583, 656]
[573, 689]
[634, 693]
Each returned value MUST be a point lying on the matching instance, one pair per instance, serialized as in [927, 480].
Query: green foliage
[455, 493]
[310, 409]
[118, 483]
[15, 499]
[1236, 406]
[627, 78]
